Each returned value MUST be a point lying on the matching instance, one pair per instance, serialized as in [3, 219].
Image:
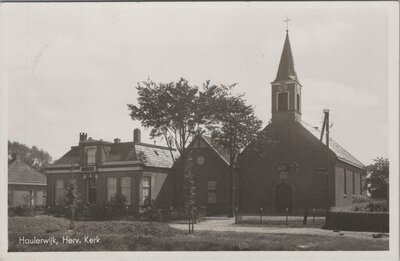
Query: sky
[73, 67]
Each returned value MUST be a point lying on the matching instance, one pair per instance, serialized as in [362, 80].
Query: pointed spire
[286, 65]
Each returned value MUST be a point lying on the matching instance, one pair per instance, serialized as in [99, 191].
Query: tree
[73, 200]
[234, 126]
[33, 156]
[377, 175]
[170, 110]
[173, 112]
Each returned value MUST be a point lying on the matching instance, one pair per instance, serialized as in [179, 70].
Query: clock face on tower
[200, 160]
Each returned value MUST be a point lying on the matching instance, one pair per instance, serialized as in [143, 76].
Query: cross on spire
[287, 23]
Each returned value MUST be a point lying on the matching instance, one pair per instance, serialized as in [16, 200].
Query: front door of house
[283, 198]
[92, 191]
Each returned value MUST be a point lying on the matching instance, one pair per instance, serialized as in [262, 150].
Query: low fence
[358, 221]
[308, 217]
[198, 214]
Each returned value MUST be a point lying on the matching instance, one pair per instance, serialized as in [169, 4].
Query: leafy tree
[234, 126]
[377, 174]
[169, 109]
[172, 111]
[33, 156]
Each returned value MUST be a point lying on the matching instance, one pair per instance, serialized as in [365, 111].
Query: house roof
[20, 172]
[340, 152]
[217, 148]
[155, 156]
[286, 65]
[151, 155]
[72, 156]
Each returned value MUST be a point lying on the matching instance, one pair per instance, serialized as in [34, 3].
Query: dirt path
[228, 224]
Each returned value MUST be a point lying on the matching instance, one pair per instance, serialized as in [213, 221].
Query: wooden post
[261, 215]
[189, 223]
[193, 220]
[287, 213]
[305, 217]
[313, 220]
[236, 217]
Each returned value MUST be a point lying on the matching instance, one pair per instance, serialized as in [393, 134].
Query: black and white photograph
[255, 130]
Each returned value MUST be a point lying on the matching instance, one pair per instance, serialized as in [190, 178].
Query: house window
[283, 101]
[354, 184]
[92, 197]
[111, 188]
[126, 189]
[44, 197]
[298, 102]
[361, 185]
[345, 182]
[32, 197]
[60, 190]
[212, 192]
[91, 156]
[146, 189]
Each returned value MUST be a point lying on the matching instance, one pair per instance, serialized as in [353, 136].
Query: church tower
[286, 89]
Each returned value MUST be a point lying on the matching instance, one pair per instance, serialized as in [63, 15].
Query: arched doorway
[283, 198]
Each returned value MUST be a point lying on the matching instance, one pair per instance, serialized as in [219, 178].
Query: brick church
[289, 166]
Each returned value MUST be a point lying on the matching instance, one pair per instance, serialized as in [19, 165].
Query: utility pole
[326, 121]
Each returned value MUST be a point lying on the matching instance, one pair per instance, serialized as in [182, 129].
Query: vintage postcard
[158, 130]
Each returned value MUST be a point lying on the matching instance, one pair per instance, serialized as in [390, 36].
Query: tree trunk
[231, 206]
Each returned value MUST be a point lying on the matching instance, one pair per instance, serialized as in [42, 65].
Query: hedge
[358, 221]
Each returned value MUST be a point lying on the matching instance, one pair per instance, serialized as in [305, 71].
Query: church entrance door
[283, 198]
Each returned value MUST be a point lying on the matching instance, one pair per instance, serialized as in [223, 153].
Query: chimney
[117, 140]
[82, 136]
[136, 136]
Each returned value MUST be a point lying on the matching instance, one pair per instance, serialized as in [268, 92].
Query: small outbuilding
[26, 186]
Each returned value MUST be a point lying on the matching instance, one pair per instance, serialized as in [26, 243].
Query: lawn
[146, 236]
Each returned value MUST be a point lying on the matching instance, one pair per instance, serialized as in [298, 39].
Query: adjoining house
[209, 164]
[288, 168]
[26, 186]
[102, 169]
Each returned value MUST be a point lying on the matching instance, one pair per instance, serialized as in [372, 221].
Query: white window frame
[86, 155]
[58, 201]
[127, 197]
[108, 187]
[147, 187]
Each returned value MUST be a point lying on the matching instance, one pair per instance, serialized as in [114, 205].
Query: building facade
[289, 167]
[102, 170]
[209, 164]
[26, 186]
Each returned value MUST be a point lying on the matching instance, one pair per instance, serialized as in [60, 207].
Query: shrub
[22, 210]
[57, 211]
[365, 204]
[150, 210]
[358, 221]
